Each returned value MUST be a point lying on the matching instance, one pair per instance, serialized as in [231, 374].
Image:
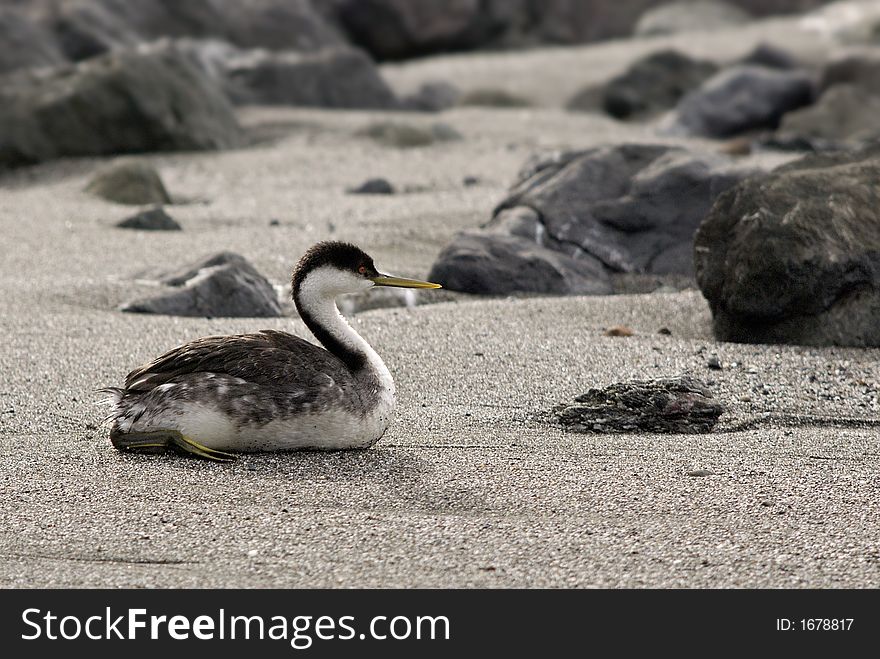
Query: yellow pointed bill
[400, 282]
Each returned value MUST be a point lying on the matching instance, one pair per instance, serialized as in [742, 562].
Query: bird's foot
[158, 441]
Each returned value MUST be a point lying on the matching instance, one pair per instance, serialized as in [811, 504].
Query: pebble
[714, 363]
[373, 186]
[619, 330]
[700, 472]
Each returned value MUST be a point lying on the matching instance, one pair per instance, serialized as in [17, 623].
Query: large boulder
[794, 256]
[634, 207]
[223, 285]
[741, 98]
[85, 28]
[117, 103]
[689, 16]
[631, 208]
[25, 43]
[397, 29]
[650, 85]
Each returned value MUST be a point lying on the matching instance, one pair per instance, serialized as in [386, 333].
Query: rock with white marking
[224, 285]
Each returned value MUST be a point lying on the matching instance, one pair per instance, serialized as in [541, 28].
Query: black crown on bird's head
[335, 254]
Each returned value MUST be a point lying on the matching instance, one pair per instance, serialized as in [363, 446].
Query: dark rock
[151, 219]
[634, 207]
[373, 186]
[653, 84]
[620, 331]
[117, 103]
[794, 256]
[576, 21]
[403, 135]
[741, 98]
[25, 44]
[714, 363]
[339, 78]
[494, 98]
[398, 29]
[496, 264]
[689, 16]
[470, 181]
[232, 289]
[90, 27]
[770, 56]
[845, 112]
[668, 405]
[432, 97]
[129, 183]
[273, 24]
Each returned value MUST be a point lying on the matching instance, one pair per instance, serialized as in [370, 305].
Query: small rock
[129, 183]
[404, 136]
[373, 186]
[765, 54]
[668, 405]
[714, 363]
[664, 330]
[700, 472]
[151, 219]
[495, 98]
[619, 330]
[433, 97]
[274, 223]
[469, 181]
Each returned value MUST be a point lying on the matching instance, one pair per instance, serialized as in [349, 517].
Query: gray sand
[470, 486]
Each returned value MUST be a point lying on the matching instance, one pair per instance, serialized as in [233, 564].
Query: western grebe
[269, 390]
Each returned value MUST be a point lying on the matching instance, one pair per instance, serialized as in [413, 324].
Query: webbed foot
[159, 441]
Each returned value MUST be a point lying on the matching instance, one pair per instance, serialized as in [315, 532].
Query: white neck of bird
[315, 300]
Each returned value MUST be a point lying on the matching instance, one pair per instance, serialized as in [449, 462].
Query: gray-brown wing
[276, 360]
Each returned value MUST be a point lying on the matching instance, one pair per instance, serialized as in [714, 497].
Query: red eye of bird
[362, 269]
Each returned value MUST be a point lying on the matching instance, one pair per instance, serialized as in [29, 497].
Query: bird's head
[335, 268]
